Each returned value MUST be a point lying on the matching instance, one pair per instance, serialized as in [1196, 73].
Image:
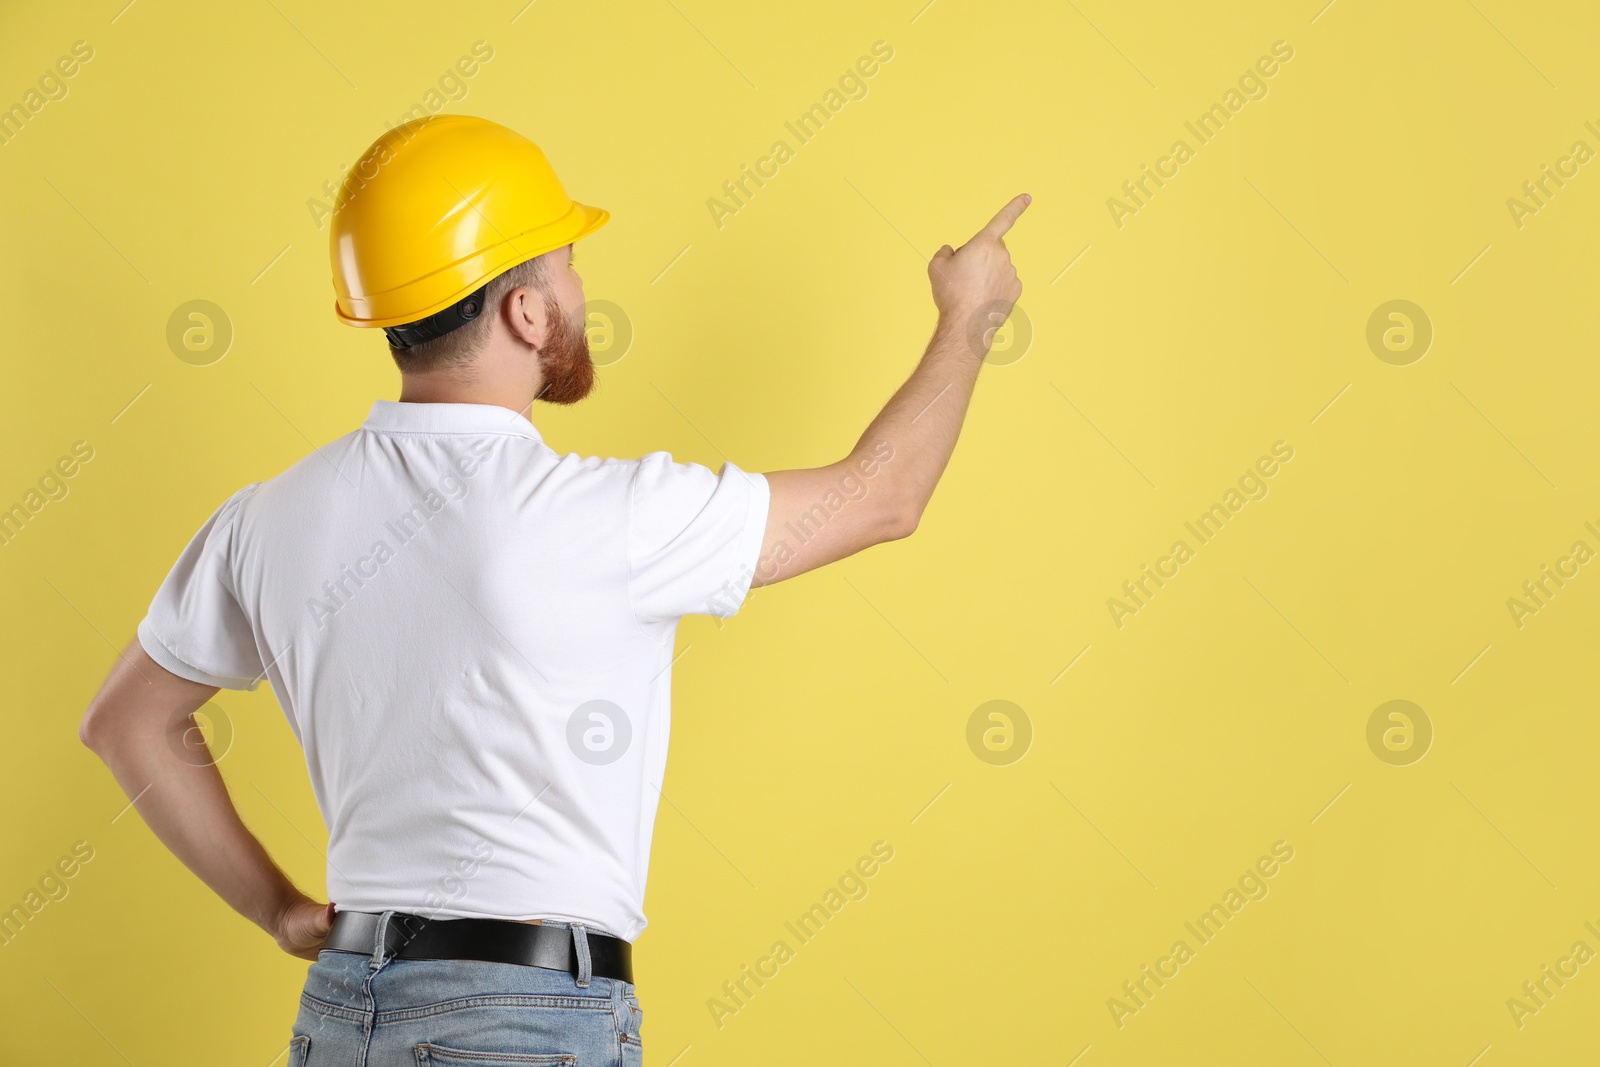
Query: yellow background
[1223, 317]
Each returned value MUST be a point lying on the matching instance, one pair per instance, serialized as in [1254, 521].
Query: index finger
[1007, 217]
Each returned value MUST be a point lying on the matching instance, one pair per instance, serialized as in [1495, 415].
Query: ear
[525, 317]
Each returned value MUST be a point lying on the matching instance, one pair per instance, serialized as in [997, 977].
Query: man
[471, 635]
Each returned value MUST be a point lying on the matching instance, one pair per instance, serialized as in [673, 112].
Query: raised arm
[878, 492]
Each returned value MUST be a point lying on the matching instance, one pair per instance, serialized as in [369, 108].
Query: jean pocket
[632, 1047]
[429, 1055]
[299, 1050]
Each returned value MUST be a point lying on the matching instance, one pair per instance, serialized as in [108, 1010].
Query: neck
[438, 389]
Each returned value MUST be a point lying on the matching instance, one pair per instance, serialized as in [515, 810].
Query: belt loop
[580, 938]
[378, 939]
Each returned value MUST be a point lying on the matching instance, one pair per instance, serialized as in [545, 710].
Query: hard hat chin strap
[453, 317]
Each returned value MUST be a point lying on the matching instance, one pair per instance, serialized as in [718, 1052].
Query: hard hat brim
[434, 292]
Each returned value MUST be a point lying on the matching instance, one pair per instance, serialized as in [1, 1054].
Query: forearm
[922, 421]
[906, 448]
[189, 809]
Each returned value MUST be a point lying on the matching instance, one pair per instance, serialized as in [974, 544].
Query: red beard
[564, 360]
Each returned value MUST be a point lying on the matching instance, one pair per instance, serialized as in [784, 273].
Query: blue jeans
[363, 1011]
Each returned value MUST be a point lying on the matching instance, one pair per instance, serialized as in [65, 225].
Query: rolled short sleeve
[694, 537]
[195, 627]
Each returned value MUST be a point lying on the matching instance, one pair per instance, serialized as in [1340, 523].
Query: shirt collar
[392, 416]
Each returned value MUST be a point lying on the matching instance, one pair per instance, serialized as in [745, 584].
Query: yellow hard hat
[435, 209]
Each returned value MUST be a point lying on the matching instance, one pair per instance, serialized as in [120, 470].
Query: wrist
[960, 332]
[284, 899]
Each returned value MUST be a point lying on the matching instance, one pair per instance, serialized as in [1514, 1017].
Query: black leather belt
[416, 937]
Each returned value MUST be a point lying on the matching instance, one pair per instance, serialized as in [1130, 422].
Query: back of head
[437, 213]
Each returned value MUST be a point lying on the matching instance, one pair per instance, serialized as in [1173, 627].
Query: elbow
[902, 523]
[900, 513]
[88, 730]
[92, 729]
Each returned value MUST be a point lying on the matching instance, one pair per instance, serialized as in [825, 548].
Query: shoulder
[668, 495]
[652, 489]
[328, 462]
[642, 474]
[229, 512]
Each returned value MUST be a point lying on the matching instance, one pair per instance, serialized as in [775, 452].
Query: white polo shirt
[472, 638]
